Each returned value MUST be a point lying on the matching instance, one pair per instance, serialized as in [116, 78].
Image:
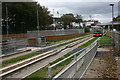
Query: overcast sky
[99, 10]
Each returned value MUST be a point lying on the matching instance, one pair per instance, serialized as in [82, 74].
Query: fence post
[113, 38]
[49, 73]
[99, 42]
[118, 41]
[85, 50]
[75, 58]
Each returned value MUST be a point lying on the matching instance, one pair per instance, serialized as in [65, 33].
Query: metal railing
[78, 66]
[116, 40]
[34, 34]
[13, 45]
[105, 42]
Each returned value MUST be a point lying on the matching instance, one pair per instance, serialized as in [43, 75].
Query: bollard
[75, 58]
[99, 42]
[49, 73]
[85, 50]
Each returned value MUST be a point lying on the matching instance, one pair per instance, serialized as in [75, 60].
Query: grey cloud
[85, 8]
[98, 10]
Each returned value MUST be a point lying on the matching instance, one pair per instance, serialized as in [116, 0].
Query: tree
[78, 19]
[66, 19]
[22, 17]
[116, 19]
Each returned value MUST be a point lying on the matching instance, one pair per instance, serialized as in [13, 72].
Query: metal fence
[105, 42]
[115, 38]
[78, 66]
[13, 45]
[34, 34]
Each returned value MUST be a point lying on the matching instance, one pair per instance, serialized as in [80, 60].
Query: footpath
[104, 65]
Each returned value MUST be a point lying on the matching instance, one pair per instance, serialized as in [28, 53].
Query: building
[55, 21]
[90, 23]
[57, 25]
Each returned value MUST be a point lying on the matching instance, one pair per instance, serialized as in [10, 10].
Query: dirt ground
[96, 68]
[103, 66]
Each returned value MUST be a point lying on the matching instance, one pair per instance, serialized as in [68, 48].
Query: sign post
[7, 30]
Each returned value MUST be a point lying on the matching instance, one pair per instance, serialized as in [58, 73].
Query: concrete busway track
[35, 49]
[42, 57]
[58, 50]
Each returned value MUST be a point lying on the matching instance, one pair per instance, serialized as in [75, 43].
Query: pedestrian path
[97, 67]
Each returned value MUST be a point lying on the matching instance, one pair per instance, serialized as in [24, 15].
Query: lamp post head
[111, 4]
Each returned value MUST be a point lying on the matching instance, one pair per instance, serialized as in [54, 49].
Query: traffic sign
[7, 26]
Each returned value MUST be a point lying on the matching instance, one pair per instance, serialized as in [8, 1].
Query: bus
[97, 31]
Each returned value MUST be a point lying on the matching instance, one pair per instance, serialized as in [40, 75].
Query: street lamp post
[112, 5]
[112, 22]
[7, 21]
[58, 14]
[53, 20]
[37, 25]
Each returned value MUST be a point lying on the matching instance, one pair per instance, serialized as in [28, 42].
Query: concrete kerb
[6, 55]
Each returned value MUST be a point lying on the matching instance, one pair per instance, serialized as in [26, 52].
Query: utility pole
[53, 20]
[58, 14]
[90, 17]
[7, 20]
[37, 25]
[1, 33]
[53, 12]
[37, 20]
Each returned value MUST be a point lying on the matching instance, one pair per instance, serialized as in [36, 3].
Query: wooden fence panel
[15, 36]
[61, 37]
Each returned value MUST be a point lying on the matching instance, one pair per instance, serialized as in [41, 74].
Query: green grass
[4, 63]
[43, 73]
[50, 42]
[59, 59]
[105, 40]
[89, 42]
[70, 42]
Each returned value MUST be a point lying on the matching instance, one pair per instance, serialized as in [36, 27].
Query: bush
[86, 29]
[52, 28]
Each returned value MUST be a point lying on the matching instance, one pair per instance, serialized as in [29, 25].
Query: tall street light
[37, 25]
[112, 5]
[58, 14]
[53, 19]
[7, 20]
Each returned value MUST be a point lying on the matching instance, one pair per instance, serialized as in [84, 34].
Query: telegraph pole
[37, 25]
[7, 20]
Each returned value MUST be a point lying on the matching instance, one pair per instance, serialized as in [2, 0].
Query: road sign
[7, 26]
